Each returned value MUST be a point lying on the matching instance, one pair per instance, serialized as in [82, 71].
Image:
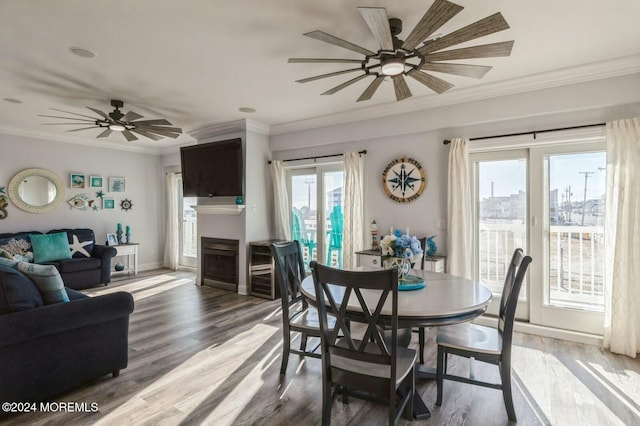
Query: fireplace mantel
[219, 208]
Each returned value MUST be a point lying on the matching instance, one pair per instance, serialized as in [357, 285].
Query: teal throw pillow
[50, 247]
[48, 280]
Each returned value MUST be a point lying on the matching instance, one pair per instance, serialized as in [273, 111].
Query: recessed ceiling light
[84, 53]
[247, 109]
[13, 100]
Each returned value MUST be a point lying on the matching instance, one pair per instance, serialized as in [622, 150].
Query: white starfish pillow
[78, 247]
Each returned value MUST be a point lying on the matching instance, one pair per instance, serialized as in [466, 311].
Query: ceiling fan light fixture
[117, 127]
[393, 66]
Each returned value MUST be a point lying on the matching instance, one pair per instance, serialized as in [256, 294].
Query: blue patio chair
[335, 235]
[300, 233]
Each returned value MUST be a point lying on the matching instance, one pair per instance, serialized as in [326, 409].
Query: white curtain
[281, 201]
[460, 211]
[171, 245]
[622, 238]
[353, 236]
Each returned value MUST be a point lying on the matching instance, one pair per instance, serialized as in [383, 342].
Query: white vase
[402, 264]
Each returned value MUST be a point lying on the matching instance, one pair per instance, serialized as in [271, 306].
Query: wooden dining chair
[297, 315]
[486, 344]
[362, 363]
[421, 330]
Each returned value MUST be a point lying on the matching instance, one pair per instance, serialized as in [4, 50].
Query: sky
[509, 176]
[302, 191]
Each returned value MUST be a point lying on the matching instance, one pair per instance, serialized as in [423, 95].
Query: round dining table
[444, 300]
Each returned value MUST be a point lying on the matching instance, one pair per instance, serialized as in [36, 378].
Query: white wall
[144, 187]
[420, 134]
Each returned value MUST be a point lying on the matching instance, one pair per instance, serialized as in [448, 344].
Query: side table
[131, 252]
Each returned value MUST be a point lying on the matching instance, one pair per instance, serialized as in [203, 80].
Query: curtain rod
[364, 151]
[534, 132]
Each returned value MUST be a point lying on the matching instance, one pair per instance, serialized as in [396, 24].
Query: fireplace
[220, 263]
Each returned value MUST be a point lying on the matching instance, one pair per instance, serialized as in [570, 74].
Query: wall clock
[404, 179]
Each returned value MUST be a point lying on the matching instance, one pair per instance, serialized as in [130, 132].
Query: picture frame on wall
[95, 182]
[108, 204]
[111, 240]
[77, 180]
[116, 184]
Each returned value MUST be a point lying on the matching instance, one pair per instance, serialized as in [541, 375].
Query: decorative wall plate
[126, 204]
[404, 179]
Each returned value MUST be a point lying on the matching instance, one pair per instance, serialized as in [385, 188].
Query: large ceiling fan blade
[83, 128]
[488, 25]
[62, 124]
[434, 83]
[157, 122]
[163, 128]
[378, 22]
[146, 134]
[129, 136]
[345, 84]
[104, 134]
[322, 60]
[74, 113]
[440, 12]
[369, 91]
[466, 70]
[100, 113]
[483, 51]
[130, 116]
[160, 131]
[331, 74]
[401, 88]
[69, 118]
[328, 38]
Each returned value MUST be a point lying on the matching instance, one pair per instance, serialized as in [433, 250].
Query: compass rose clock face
[404, 179]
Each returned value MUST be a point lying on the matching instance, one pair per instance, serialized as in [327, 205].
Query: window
[319, 230]
[548, 199]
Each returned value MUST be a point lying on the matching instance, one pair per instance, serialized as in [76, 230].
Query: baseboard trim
[538, 330]
[149, 266]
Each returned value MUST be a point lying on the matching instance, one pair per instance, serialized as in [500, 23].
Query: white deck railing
[576, 261]
[189, 237]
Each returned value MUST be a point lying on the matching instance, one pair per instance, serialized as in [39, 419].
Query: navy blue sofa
[81, 271]
[49, 350]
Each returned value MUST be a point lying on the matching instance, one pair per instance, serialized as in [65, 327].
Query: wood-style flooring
[199, 355]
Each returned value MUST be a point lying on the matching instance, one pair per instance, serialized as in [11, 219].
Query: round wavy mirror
[36, 190]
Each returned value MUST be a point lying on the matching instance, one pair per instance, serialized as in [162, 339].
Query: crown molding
[220, 129]
[566, 76]
[90, 142]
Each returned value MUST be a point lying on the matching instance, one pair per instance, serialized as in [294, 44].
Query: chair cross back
[297, 315]
[509, 300]
[360, 360]
[372, 332]
[289, 271]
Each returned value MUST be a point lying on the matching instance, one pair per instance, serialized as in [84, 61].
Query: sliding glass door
[569, 244]
[316, 198]
[501, 204]
[188, 235]
[548, 200]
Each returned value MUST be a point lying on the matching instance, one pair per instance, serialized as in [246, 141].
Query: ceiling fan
[412, 57]
[119, 122]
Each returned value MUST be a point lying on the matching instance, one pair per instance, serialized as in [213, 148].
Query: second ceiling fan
[414, 56]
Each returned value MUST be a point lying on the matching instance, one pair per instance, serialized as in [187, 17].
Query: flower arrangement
[401, 246]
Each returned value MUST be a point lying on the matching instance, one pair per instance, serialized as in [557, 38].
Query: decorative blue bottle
[431, 246]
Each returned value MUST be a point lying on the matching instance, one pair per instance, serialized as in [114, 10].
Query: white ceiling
[196, 62]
